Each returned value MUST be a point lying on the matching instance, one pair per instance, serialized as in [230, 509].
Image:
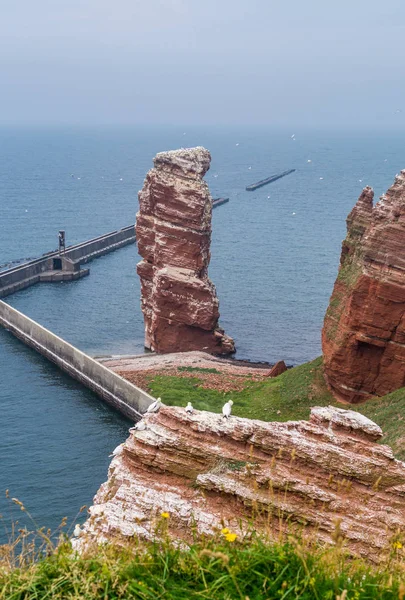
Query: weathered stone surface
[207, 473]
[279, 368]
[363, 338]
[173, 232]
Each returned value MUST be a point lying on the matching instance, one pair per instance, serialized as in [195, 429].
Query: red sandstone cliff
[208, 473]
[363, 337]
[173, 231]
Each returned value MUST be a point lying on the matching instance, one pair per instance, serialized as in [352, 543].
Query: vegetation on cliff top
[222, 568]
[285, 398]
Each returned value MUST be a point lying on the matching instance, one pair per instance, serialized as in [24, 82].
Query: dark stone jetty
[63, 265]
[262, 182]
[218, 201]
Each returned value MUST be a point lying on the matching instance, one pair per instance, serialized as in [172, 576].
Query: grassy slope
[210, 569]
[287, 397]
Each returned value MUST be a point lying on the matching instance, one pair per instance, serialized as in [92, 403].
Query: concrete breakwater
[65, 266]
[119, 393]
[262, 182]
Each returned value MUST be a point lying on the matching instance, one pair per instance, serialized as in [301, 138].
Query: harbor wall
[119, 393]
[28, 274]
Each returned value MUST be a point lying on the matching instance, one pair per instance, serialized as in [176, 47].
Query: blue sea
[275, 254]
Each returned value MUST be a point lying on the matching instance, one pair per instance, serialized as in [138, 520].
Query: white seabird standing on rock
[118, 450]
[77, 530]
[154, 407]
[226, 409]
[140, 426]
[189, 408]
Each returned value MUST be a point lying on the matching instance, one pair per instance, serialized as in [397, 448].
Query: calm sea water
[275, 253]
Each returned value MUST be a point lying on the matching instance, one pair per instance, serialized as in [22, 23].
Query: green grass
[284, 398]
[215, 569]
[198, 370]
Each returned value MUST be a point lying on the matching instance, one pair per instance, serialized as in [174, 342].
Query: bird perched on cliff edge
[226, 409]
[118, 450]
[154, 407]
[77, 530]
[189, 408]
[140, 426]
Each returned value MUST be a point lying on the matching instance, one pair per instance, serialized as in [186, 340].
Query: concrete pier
[125, 397]
[262, 182]
[55, 266]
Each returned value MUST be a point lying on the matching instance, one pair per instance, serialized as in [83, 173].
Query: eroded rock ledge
[363, 338]
[208, 473]
[173, 232]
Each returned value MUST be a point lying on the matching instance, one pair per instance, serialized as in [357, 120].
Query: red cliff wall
[363, 337]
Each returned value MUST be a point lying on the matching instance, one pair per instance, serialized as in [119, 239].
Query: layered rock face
[173, 232]
[208, 473]
[363, 338]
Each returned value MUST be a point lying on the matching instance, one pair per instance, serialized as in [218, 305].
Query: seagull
[360, 180]
[226, 409]
[321, 178]
[249, 168]
[118, 450]
[293, 213]
[140, 426]
[189, 408]
[293, 136]
[77, 530]
[237, 144]
[309, 160]
[154, 407]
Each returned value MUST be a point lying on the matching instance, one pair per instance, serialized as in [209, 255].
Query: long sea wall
[128, 399]
[43, 268]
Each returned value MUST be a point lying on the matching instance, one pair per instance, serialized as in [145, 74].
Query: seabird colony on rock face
[189, 408]
[226, 409]
[154, 407]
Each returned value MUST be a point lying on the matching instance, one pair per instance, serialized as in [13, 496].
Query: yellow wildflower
[397, 545]
[225, 530]
[165, 515]
[231, 537]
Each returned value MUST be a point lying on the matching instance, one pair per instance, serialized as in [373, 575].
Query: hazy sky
[281, 62]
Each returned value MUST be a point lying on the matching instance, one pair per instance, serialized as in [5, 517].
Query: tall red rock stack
[363, 337]
[173, 231]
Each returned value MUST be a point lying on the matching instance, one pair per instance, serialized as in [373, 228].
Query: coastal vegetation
[231, 564]
[226, 567]
[284, 398]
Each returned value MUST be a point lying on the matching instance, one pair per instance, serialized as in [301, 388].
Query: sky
[309, 63]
